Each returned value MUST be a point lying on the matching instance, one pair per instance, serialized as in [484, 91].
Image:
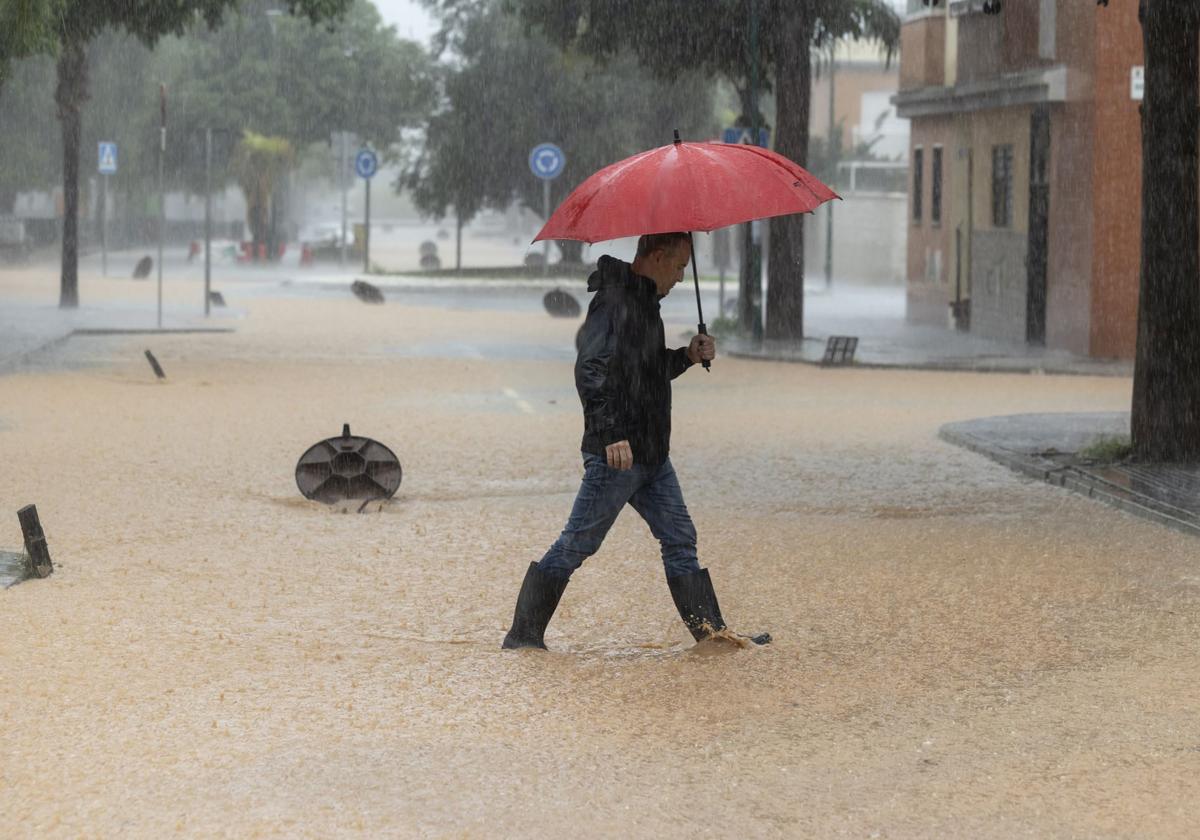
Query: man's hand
[702, 348]
[620, 456]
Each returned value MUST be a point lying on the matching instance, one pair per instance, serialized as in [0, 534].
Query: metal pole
[834, 154]
[752, 293]
[367, 231]
[207, 216]
[104, 226]
[162, 195]
[700, 327]
[342, 181]
[546, 217]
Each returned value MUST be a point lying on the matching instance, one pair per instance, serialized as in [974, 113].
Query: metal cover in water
[348, 467]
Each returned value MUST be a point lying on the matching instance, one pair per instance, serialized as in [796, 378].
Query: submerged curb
[19, 360]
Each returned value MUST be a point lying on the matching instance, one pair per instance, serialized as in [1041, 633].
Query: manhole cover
[348, 467]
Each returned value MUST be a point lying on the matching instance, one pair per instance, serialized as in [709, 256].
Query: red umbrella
[685, 187]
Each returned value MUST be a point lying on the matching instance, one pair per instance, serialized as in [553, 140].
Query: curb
[1064, 476]
[938, 367]
[13, 363]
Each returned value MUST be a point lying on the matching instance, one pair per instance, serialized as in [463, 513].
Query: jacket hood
[611, 272]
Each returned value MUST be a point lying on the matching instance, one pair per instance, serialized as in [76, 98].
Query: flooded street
[958, 651]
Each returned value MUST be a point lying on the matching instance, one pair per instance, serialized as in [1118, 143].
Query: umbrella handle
[699, 309]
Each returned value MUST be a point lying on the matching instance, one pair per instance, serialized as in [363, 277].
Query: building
[1025, 170]
[868, 236]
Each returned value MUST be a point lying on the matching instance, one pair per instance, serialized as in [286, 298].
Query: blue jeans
[652, 491]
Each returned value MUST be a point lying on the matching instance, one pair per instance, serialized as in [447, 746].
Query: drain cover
[348, 467]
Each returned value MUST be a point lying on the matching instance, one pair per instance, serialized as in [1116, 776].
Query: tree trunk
[1166, 379]
[572, 252]
[793, 32]
[69, 96]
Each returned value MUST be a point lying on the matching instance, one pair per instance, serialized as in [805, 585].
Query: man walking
[623, 373]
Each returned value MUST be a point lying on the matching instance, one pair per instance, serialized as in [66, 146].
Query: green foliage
[287, 78]
[1107, 449]
[32, 154]
[259, 164]
[25, 29]
[715, 36]
[511, 89]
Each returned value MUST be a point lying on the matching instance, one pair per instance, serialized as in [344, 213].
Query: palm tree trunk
[793, 87]
[1165, 417]
[69, 95]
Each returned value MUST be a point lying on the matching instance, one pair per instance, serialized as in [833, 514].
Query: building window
[935, 197]
[918, 182]
[1002, 184]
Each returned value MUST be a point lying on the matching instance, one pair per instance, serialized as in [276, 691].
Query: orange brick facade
[999, 78]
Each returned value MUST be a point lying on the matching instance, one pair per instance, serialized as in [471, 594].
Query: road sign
[547, 161]
[742, 134]
[108, 159]
[1137, 82]
[366, 164]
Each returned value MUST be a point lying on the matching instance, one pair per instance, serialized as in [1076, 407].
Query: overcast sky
[409, 17]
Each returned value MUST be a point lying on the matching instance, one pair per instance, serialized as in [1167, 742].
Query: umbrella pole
[699, 308]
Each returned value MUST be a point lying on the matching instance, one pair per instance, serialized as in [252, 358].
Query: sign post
[546, 161]
[750, 294]
[162, 192]
[107, 166]
[366, 164]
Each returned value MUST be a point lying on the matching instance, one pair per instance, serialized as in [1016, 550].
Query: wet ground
[959, 652]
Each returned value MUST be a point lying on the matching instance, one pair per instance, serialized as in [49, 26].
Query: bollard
[35, 542]
[366, 292]
[142, 270]
[158, 371]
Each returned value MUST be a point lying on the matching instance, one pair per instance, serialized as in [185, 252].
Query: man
[623, 374]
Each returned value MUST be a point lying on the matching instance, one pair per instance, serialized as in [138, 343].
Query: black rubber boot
[535, 605]
[697, 604]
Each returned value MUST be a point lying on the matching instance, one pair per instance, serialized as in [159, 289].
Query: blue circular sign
[547, 161]
[366, 164]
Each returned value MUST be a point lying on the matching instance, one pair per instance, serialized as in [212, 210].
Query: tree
[259, 164]
[27, 131]
[1165, 416]
[291, 81]
[25, 29]
[510, 90]
[73, 24]
[717, 37]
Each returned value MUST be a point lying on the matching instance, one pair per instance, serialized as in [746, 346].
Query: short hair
[651, 242]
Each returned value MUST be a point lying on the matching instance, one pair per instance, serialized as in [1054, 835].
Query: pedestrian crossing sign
[108, 158]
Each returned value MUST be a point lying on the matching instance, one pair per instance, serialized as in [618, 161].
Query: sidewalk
[1047, 447]
[886, 339]
[28, 329]
[31, 322]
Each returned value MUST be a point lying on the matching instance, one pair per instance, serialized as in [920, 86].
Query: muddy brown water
[958, 652]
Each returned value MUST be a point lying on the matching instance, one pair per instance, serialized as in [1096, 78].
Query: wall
[1072, 141]
[930, 251]
[869, 232]
[851, 82]
[922, 52]
[1117, 193]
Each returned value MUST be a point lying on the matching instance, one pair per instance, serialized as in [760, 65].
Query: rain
[495, 418]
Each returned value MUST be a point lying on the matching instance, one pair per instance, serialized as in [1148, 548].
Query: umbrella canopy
[685, 187]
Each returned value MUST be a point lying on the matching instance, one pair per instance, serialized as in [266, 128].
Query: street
[958, 651]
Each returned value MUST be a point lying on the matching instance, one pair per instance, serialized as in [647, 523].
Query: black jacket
[624, 370]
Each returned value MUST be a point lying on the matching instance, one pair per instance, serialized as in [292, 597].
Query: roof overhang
[1006, 91]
